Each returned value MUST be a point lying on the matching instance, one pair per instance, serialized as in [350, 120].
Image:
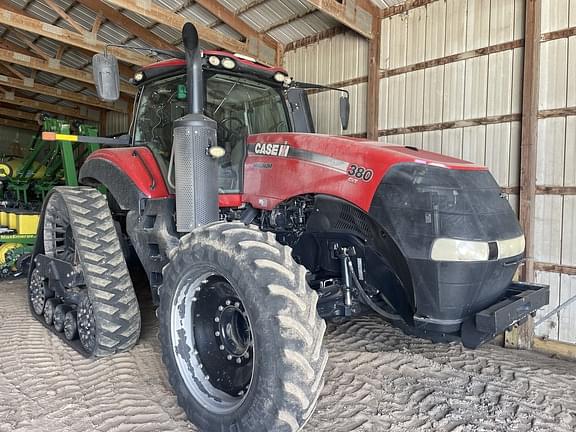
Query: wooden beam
[7, 45]
[528, 147]
[13, 71]
[55, 67]
[315, 38]
[97, 22]
[555, 268]
[556, 348]
[522, 335]
[85, 41]
[260, 43]
[12, 99]
[17, 114]
[30, 85]
[18, 124]
[126, 23]
[162, 15]
[348, 13]
[404, 7]
[373, 91]
[65, 16]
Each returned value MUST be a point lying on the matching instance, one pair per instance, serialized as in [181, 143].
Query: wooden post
[373, 91]
[521, 336]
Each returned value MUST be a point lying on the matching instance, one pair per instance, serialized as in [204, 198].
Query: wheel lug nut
[229, 357]
[220, 308]
[217, 319]
[246, 355]
[221, 347]
[194, 299]
[228, 302]
[217, 333]
[238, 360]
[236, 304]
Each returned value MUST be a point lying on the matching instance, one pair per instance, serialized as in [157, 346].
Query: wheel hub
[233, 331]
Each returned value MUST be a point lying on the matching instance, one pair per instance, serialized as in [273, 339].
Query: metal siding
[500, 83]
[432, 141]
[567, 316]
[476, 83]
[435, 30]
[453, 108]
[570, 159]
[478, 29]
[569, 231]
[501, 21]
[383, 112]
[551, 143]
[416, 47]
[452, 142]
[455, 26]
[414, 98]
[549, 329]
[515, 139]
[571, 90]
[554, 15]
[548, 228]
[433, 94]
[398, 39]
[396, 101]
[553, 74]
[498, 151]
[474, 144]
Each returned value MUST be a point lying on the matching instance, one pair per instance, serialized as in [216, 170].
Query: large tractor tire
[78, 228]
[240, 334]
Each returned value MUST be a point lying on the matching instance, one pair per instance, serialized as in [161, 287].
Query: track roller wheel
[59, 317]
[78, 228]
[49, 308]
[240, 334]
[70, 326]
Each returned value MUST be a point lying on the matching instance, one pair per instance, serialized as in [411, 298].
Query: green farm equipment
[26, 182]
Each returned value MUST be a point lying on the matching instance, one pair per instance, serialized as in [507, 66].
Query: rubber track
[116, 309]
[303, 359]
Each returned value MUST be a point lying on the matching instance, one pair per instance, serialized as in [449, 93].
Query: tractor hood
[349, 168]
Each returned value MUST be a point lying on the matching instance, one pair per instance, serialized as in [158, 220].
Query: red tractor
[252, 230]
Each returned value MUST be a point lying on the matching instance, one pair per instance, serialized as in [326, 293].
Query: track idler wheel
[38, 292]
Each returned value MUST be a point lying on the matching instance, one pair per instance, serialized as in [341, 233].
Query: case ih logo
[272, 149]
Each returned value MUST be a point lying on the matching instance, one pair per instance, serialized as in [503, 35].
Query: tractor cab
[242, 104]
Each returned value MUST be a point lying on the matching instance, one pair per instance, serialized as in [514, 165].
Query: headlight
[279, 76]
[511, 247]
[214, 61]
[228, 63]
[445, 249]
[138, 76]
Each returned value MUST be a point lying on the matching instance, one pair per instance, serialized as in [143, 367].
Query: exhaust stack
[196, 171]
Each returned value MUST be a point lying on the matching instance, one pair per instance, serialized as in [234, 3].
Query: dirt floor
[377, 380]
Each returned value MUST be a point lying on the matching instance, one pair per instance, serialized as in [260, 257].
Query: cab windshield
[241, 107]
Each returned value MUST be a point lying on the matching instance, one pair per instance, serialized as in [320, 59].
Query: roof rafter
[256, 41]
[175, 21]
[356, 15]
[116, 17]
[18, 124]
[55, 67]
[65, 16]
[12, 99]
[28, 84]
[85, 41]
[17, 114]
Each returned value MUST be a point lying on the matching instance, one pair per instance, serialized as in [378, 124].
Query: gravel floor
[377, 380]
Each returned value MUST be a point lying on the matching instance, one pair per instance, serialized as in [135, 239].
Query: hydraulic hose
[367, 299]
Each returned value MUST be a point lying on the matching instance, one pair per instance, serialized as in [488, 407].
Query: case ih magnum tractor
[252, 230]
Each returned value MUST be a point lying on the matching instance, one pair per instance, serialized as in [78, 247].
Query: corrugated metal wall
[556, 213]
[452, 83]
[116, 123]
[332, 61]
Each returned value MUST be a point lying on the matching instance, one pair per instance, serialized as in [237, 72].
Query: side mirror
[344, 111]
[106, 77]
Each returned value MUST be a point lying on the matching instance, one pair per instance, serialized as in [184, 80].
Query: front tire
[240, 334]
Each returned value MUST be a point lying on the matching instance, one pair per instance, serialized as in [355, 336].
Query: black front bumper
[520, 300]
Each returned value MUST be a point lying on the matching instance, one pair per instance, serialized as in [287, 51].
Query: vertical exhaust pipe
[196, 171]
